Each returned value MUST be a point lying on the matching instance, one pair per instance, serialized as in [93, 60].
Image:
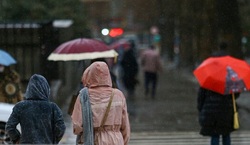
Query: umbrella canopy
[224, 75]
[120, 44]
[81, 49]
[6, 59]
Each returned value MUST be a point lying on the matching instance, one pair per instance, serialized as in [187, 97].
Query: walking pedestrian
[152, 65]
[216, 115]
[74, 96]
[41, 121]
[100, 111]
[10, 86]
[130, 69]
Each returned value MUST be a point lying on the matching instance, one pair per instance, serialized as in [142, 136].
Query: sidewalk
[183, 138]
[168, 138]
[174, 108]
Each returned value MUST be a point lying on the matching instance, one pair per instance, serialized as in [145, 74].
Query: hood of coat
[97, 74]
[38, 88]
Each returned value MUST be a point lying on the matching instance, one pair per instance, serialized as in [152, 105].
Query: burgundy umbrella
[120, 44]
[82, 49]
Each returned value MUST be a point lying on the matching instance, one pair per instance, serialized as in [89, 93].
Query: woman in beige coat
[116, 129]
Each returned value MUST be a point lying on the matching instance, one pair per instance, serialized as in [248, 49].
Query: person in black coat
[215, 115]
[130, 70]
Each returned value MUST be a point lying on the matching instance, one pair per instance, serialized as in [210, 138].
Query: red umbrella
[223, 75]
[81, 49]
[122, 43]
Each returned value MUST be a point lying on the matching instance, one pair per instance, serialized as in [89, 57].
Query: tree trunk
[229, 25]
[186, 33]
[168, 13]
[204, 24]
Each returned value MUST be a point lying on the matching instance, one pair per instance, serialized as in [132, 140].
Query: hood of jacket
[38, 88]
[97, 75]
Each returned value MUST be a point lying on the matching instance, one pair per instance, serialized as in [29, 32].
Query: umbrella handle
[236, 117]
[234, 103]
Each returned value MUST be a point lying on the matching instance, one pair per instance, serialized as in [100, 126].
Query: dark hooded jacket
[41, 121]
[215, 112]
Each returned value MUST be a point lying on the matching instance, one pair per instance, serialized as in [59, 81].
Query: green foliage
[37, 10]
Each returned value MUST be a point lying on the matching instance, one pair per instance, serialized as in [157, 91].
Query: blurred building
[30, 43]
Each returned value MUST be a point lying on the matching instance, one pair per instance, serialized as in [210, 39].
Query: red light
[114, 32]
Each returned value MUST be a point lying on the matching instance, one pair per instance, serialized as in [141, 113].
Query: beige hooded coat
[116, 128]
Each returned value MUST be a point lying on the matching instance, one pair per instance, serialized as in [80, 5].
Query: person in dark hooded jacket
[216, 115]
[41, 121]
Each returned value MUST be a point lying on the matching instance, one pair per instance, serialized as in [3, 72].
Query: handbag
[236, 116]
[104, 118]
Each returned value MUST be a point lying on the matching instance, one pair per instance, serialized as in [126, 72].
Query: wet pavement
[173, 110]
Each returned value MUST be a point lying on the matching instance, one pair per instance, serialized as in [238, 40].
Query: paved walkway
[165, 138]
[183, 138]
[169, 138]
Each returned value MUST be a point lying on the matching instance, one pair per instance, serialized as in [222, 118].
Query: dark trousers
[215, 139]
[150, 82]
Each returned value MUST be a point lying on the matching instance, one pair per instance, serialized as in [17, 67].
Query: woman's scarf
[87, 119]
